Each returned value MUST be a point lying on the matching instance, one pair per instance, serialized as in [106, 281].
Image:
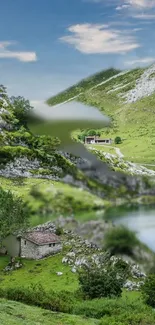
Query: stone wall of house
[33, 251]
[47, 250]
[29, 249]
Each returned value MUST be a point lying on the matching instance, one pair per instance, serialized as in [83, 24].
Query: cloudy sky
[47, 45]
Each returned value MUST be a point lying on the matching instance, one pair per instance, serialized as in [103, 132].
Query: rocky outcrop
[23, 167]
[145, 86]
[126, 166]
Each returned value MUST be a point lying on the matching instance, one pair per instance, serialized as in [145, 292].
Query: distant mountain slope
[128, 97]
[84, 85]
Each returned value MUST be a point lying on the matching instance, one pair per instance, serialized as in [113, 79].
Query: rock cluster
[23, 167]
[48, 226]
[83, 254]
[126, 166]
[145, 86]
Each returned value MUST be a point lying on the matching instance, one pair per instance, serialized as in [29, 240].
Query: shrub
[118, 140]
[59, 231]
[36, 295]
[98, 282]
[113, 310]
[148, 290]
[120, 240]
[129, 318]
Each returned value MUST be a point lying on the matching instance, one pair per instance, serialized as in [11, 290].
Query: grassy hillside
[15, 313]
[133, 121]
[48, 198]
[82, 86]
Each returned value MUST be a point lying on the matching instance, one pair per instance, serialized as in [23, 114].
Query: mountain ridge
[128, 98]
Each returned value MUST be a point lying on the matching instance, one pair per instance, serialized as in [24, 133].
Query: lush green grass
[83, 85]
[15, 313]
[42, 271]
[104, 148]
[129, 309]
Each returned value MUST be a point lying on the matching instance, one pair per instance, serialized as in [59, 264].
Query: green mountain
[128, 97]
[27, 160]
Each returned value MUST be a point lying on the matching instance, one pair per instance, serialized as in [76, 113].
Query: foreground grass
[129, 309]
[15, 313]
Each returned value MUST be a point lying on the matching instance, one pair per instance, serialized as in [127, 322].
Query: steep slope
[84, 85]
[129, 99]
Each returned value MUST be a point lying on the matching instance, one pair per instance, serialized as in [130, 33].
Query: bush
[148, 290]
[98, 282]
[113, 310]
[118, 140]
[59, 231]
[130, 318]
[36, 295]
[120, 240]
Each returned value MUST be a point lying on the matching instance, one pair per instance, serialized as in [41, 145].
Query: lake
[141, 220]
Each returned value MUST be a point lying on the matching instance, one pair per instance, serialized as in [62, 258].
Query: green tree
[118, 140]
[14, 213]
[21, 107]
[120, 240]
[148, 290]
[86, 133]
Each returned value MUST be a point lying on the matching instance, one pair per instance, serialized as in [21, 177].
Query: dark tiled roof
[41, 238]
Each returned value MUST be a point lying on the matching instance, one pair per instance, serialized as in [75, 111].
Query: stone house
[33, 244]
[97, 140]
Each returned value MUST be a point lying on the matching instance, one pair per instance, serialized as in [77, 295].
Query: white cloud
[144, 16]
[125, 6]
[20, 55]
[142, 4]
[94, 38]
[136, 5]
[146, 60]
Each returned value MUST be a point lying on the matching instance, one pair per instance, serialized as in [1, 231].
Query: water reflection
[142, 220]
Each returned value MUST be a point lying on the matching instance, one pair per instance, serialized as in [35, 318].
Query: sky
[48, 45]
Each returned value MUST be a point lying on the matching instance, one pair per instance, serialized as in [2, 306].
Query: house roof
[91, 136]
[41, 238]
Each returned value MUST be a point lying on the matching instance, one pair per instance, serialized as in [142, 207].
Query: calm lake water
[141, 220]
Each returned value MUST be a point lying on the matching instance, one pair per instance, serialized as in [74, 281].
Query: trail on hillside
[117, 150]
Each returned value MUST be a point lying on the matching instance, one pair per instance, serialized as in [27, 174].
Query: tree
[118, 140]
[14, 213]
[120, 240]
[148, 290]
[21, 107]
[86, 133]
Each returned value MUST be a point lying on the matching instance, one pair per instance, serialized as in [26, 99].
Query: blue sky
[47, 45]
